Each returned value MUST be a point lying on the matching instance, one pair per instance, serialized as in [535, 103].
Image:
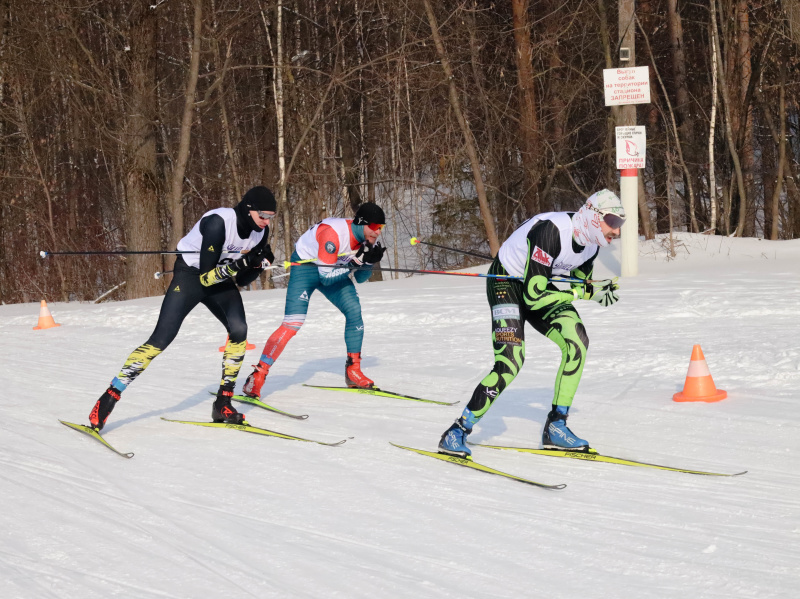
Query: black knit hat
[260, 198]
[369, 213]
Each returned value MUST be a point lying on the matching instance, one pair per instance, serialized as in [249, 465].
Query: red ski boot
[254, 382]
[353, 375]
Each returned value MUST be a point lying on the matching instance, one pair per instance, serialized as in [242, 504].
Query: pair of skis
[248, 428]
[245, 427]
[374, 391]
[590, 455]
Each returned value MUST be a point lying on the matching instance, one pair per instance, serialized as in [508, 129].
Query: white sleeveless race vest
[514, 252]
[307, 246]
[234, 245]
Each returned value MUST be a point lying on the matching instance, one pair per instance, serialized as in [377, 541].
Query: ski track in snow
[218, 513]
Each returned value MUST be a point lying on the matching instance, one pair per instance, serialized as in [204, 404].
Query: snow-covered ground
[216, 513]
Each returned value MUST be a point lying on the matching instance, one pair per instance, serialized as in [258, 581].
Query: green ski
[382, 393]
[475, 466]
[247, 428]
[593, 456]
[257, 402]
[94, 434]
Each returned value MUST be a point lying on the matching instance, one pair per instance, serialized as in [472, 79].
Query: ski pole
[288, 264]
[45, 254]
[556, 279]
[160, 274]
[415, 241]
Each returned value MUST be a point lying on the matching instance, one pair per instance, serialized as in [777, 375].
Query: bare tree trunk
[791, 175]
[175, 203]
[726, 101]
[24, 129]
[670, 195]
[748, 152]
[277, 92]
[712, 179]
[614, 115]
[455, 104]
[413, 144]
[226, 128]
[282, 203]
[528, 121]
[679, 151]
[143, 230]
[776, 194]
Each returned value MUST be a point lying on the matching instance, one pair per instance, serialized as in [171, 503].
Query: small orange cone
[45, 318]
[249, 345]
[699, 385]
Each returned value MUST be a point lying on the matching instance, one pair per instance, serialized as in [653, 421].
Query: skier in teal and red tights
[330, 273]
[553, 243]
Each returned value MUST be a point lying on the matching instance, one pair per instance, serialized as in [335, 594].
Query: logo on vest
[505, 312]
[542, 257]
[330, 247]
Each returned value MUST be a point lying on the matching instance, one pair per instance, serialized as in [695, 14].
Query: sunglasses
[376, 227]
[265, 215]
[612, 220]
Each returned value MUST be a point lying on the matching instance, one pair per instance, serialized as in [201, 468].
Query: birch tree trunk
[712, 179]
[282, 203]
[455, 104]
[277, 93]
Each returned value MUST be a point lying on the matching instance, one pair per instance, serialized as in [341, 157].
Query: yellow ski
[475, 466]
[593, 456]
[95, 434]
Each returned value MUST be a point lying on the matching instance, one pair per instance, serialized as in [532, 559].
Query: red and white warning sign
[626, 86]
[631, 142]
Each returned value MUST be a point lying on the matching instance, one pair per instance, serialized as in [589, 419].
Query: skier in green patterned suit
[547, 245]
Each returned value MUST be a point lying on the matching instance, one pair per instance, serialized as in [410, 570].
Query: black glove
[370, 254]
[374, 254]
[254, 258]
[358, 259]
[268, 255]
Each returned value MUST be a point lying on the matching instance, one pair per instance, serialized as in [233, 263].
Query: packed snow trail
[205, 513]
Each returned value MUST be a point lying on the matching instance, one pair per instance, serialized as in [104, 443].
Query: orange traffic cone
[249, 345]
[45, 318]
[699, 385]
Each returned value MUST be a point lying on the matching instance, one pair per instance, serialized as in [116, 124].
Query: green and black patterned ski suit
[541, 304]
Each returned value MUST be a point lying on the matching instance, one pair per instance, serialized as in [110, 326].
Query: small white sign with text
[626, 86]
[631, 142]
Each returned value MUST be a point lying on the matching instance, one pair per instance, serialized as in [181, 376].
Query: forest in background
[123, 121]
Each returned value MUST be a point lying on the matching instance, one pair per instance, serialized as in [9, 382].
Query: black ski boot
[223, 411]
[103, 408]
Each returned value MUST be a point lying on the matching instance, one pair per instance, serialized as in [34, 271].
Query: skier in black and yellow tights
[225, 248]
[554, 243]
